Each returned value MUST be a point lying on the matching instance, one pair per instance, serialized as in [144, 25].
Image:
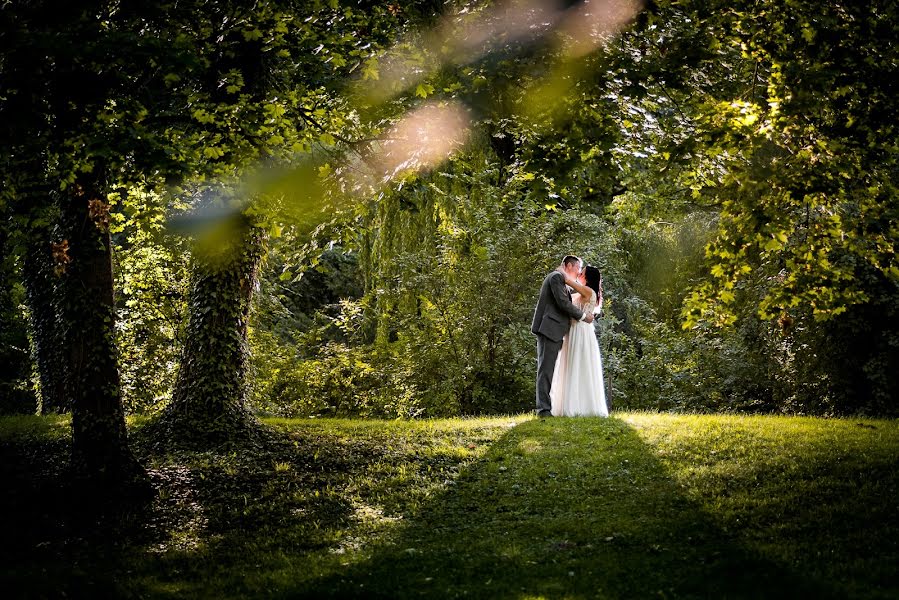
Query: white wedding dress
[577, 387]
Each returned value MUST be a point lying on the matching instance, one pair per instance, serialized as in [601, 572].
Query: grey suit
[551, 323]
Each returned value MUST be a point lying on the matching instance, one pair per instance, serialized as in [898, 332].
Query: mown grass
[635, 506]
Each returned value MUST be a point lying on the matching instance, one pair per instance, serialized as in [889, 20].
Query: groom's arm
[557, 287]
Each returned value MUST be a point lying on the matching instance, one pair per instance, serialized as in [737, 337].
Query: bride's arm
[583, 290]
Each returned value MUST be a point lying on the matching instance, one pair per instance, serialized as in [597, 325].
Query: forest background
[730, 167]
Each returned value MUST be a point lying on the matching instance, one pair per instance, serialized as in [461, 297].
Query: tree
[59, 111]
[808, 204]
[280, 99]
[86, 111]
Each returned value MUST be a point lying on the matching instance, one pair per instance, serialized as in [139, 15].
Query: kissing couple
[569, 366]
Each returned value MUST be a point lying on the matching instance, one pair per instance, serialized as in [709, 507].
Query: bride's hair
[592, 275]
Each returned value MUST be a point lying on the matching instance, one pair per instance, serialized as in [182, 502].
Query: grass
[635, 506]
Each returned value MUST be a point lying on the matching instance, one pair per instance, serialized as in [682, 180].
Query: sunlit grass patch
[528, 446]
[818, 495]
[637, 505]
[17, 427]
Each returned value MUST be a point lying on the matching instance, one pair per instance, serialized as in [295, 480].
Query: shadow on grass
[60, 538]
[564, 508]
[235, 519]
[215, 515]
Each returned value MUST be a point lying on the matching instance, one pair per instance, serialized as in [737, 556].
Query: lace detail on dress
[589, 306]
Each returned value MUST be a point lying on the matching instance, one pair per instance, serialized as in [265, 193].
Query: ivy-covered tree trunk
[208, 406]
[100, 452]
[48, 345]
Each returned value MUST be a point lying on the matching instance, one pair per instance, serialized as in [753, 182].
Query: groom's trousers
[547, 353]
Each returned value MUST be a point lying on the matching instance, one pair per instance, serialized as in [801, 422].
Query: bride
[577, 388]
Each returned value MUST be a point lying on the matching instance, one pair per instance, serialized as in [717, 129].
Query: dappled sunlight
[514, 507]
[528, 446]
[23, 426]
[563, 508]
[181, 522]
[335, 491]
[369, 522]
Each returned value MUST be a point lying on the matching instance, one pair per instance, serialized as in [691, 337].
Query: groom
[551, 322]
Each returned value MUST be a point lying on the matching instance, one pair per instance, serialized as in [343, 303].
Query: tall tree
[47, 322]
[208, 405]
[78, 79]
[268, 86]
[64, 109]
[99, 438]
[39, 275]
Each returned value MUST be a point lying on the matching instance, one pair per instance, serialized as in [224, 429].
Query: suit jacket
[554, 308]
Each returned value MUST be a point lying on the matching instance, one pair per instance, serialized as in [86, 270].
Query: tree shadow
[211, 508]
[223, 523]
[260, 519]
[561, 508]
[62, 536]
[544, 516]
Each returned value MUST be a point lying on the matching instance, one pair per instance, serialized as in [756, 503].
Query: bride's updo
[591, 275]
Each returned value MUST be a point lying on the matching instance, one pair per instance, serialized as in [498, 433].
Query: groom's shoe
[544, 414]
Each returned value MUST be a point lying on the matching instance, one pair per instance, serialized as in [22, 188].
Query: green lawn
[635, 506]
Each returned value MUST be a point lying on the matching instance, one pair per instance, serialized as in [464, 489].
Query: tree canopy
[372, 192]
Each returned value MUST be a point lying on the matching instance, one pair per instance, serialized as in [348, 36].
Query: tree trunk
[208, 406]
[46, 322]
[100, 452]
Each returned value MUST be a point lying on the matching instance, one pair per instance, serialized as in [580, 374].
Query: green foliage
[806, 165]
[339, 380]
[151, 288]
[16, 391]
[660, 146]
[294, 289]
[450, 262]
[761, 135]
[728, 166]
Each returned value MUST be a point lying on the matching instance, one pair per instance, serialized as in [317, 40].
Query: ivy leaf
[423, 90]
[370, 70]
[203, 116]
